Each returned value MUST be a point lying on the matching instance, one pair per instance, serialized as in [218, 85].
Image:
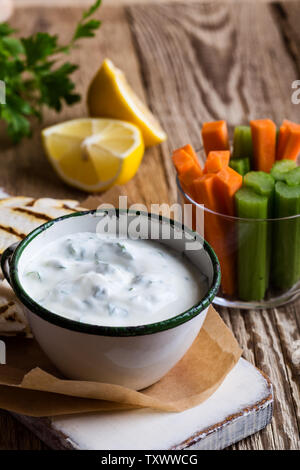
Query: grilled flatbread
[15, 201]
[12, 316]
[18, 217]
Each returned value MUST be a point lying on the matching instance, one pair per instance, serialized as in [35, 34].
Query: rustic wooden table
[190, 62]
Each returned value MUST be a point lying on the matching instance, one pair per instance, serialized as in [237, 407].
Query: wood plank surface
[215, 72]
[117, 3]
[190, 63]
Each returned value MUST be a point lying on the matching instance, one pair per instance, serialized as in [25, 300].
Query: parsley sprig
[35, 76]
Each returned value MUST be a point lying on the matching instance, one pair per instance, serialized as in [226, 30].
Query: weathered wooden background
[190, 62]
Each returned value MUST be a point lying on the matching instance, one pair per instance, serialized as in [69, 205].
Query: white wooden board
[241, 406]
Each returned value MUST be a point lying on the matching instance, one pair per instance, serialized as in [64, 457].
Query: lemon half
[94, 154]
[110, 95]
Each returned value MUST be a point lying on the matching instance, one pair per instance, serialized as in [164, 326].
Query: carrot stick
[217, 231]
[283, 136]
[291, 148]
[216, 160]
[215, 136]
[189, 149]
[181, 159]
[187, 169]
[189, 173]
[204, 189]
[184, 152]
[227, 182]
[263, 133]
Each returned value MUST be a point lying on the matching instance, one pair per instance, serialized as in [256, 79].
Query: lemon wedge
[94, 154]
[110, 95]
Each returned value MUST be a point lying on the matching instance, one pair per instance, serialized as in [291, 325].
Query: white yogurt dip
[102, 280]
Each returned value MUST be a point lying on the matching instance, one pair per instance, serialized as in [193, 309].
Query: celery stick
[292, 178]
[241, 165]
[252, 245]
[262, 183]
[242, 142]
[280, 168]
[286, 237]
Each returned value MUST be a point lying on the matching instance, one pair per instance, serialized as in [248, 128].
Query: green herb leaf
[86, 30]
[92, 10]
[17, 125]
[39, 47]
[5, 29]
[13, 46]
[34, 75]
[56, 86]
[34, 274]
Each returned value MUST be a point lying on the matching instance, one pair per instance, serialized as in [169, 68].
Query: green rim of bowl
[100, 330]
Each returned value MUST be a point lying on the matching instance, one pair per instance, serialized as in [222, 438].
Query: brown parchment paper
[30, 385]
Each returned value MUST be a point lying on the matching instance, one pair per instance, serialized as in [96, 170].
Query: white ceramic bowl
[132, 356]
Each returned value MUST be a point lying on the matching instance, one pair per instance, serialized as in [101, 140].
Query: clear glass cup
[259, 258]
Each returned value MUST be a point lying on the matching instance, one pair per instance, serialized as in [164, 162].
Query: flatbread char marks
[19, 216]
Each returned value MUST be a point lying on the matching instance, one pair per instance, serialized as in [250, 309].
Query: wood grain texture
[190, 63]
[26, 171]
[15, 436]
[217, 61]
[259, 333]
[117, 3]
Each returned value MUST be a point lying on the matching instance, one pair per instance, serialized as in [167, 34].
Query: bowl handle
[6, 258]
